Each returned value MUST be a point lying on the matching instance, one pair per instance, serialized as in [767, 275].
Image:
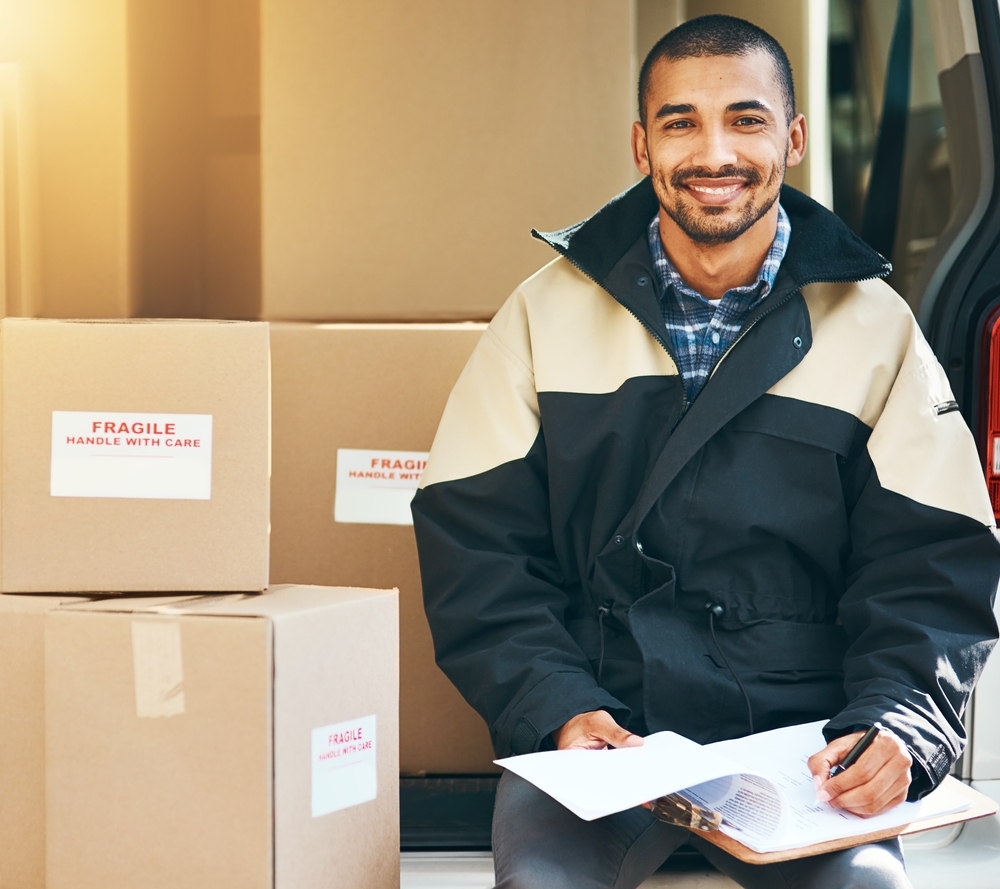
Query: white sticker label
[143, 456]
[344, 768]
[376, 487]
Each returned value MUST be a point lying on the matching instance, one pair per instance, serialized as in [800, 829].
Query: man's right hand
[594, 731]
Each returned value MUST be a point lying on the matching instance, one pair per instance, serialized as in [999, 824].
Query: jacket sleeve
[492, 587]
[922, 574]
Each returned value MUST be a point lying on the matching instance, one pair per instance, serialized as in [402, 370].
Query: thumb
[616, 736]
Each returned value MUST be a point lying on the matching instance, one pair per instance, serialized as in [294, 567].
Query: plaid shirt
[699, 330]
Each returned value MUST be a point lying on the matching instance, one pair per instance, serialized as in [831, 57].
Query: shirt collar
[761, 287]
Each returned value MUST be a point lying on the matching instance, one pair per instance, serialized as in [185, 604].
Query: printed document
[761, 785]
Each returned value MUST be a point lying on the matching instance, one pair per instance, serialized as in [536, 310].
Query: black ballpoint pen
[864, 742]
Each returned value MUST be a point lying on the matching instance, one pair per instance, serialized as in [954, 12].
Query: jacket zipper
[782, 301]
[603, 610]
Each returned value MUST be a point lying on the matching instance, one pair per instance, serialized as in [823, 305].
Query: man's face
[716, 142]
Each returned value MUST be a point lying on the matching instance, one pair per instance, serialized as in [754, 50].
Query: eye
[678, 125]
[749, 122]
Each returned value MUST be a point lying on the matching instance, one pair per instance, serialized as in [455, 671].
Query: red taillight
[991, 386]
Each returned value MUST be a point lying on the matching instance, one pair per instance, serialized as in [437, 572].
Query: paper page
[595, 783]
[749, 803]
[782, 755]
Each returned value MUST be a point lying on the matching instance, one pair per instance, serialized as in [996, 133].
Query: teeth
[728, 189]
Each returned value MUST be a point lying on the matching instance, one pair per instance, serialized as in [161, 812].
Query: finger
[821, 763]
[862, 796]
[594, 731]
[614, 735]
[878, 806]
[885, 750]
[868, 801]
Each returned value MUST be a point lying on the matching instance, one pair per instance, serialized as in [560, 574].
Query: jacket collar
[611, 247]
[821, 247]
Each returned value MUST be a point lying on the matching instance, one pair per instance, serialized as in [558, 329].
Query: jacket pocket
[793, 672]
[800, 421]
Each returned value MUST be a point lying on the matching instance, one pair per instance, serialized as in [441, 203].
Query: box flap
[20, 323]
[415, 327]
[12, 604]
[272, 603]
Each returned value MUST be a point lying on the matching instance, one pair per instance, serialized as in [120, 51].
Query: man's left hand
[877, 782]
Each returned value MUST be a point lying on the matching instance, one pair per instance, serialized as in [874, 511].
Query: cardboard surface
[219, 793]
[213, 539]
[22, 739]
[383, 388]
[523, 121]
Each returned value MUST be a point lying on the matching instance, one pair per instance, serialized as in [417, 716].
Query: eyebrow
[667, 110]
[749, 105]
[735, 107]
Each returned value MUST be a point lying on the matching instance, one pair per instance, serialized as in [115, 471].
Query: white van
[914, 152]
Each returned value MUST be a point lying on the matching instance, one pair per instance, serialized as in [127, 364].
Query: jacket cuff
[932, 759]
[527, 723]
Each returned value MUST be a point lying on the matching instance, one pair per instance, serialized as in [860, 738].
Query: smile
[728, 189]
[716, 193]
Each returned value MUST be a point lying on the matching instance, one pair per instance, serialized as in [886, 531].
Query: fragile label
[376, 487]
[344, 768]
[143, 456]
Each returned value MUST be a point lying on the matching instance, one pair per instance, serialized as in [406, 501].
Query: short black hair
[718, 35]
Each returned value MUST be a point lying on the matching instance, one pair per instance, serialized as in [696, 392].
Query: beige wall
[653, 18]
[408, 148]
[68, 251]
[195, 135]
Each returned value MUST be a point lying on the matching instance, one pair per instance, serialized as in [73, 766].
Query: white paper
[782, 755]
[761, 784]
[131, 455]
[376, 487]
[595, 783]
[344, 765]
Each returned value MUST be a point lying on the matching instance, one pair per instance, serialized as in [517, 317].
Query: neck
[712, 269]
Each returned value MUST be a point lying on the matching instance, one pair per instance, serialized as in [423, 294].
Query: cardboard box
[345, 395]
[135, 456]
[22, 739]
[523, 121]
[245, 741]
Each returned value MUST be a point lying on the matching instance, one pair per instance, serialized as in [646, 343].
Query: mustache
[749, 174]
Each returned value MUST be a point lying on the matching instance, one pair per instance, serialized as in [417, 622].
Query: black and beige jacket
[814, 526]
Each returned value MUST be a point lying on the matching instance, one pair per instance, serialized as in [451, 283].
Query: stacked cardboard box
[22, 739]
[228, 741]
[355, 410]
[135, 456]
[361, 231]
[192, 739]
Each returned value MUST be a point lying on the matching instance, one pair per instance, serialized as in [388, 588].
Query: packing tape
[157, 667]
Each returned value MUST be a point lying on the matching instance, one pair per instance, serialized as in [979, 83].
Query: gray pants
[538, 844]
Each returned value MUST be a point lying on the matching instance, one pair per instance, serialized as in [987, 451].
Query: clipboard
[981, 806]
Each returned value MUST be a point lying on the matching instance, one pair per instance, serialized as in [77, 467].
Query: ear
[640, 150]
[797, 137]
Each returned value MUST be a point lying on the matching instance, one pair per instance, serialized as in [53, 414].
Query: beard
[707, 224]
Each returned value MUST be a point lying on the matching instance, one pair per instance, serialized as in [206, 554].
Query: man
[704, 474]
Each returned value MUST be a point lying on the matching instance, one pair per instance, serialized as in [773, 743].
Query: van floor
[474, 870]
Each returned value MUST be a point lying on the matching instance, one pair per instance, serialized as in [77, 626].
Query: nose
[714, 148]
